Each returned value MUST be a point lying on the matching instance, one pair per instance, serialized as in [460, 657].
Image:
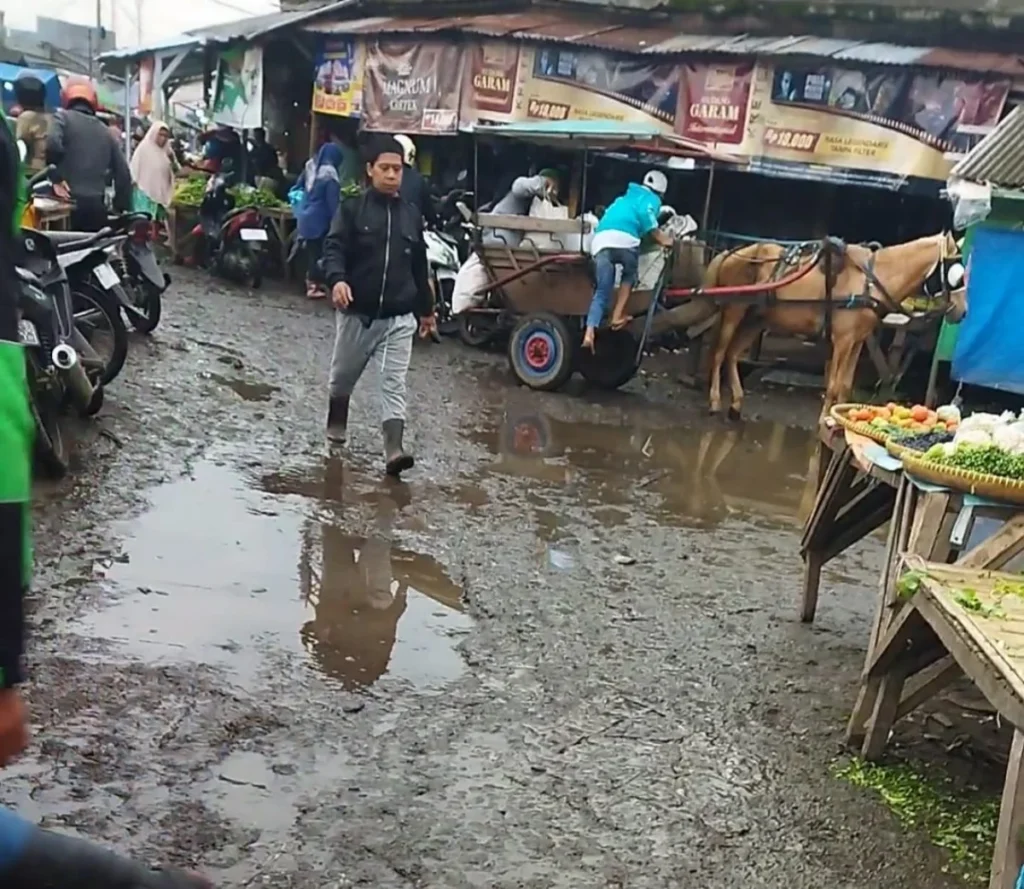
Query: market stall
[952, 490]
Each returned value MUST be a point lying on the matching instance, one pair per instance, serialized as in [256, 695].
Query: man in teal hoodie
[630, 218]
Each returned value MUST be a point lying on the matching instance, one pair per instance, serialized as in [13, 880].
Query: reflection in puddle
[243, 389]
[700, 474]
[375, 605]
[219, 570]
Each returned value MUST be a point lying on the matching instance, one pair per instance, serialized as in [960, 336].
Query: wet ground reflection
[215, 570]
[697, 475]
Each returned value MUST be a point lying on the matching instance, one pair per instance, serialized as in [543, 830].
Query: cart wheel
[542, 351]
[475, 330]
[613, 362]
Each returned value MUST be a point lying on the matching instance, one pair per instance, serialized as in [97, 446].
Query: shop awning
[998, 159]
[603, 134]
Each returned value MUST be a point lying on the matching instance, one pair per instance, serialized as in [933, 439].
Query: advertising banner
[238, 98]
[412, 87]
[713, 102]
[338, 88]
[145, 104]
[889, 128]
[491, 90]
[506, 83]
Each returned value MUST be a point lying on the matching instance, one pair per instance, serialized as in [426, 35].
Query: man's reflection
[358, 604]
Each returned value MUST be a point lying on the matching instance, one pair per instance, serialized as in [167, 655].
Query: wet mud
[563, 653]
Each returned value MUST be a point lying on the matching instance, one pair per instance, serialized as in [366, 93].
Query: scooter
[230, 241]
[143, 282]
[443, 259]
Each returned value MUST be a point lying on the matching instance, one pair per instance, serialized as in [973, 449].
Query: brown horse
[879, 279]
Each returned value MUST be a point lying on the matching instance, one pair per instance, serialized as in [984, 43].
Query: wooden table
[283, 220]
[52, 215]
[855, 497]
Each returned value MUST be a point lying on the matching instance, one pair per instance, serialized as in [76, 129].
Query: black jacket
[87, 158]
[376, 246]
[416, 191]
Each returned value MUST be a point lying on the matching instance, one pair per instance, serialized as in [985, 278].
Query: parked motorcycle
[142, 281]
[443, 260]
[231, 242]
[96, 293]
[62, 366]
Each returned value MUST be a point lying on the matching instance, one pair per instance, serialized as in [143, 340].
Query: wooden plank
[892, 643]
[834, 498]
[887, 702]
[929, 515]
[1006, 857]
[1003, 546]
[939, 676]
[532, 223]
[977, 657]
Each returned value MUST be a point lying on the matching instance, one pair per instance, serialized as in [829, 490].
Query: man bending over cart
[630, 218]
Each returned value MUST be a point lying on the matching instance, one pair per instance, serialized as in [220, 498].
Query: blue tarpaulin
[988, 349]
[9, 73]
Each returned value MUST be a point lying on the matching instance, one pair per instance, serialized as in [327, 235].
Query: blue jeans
[14, 836]
[605, 263]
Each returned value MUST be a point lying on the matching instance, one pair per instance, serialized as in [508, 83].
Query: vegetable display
[992, 444]
[902, 423]
[189, 192]
[247, 196]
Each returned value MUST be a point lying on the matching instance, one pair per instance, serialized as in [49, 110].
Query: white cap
[656, 181]
[408, 149]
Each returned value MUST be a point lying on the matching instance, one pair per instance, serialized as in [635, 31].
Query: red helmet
[79, 89]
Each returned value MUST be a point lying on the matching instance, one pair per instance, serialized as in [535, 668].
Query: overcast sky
[160, 18]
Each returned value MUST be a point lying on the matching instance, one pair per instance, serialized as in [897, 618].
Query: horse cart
[539, 296]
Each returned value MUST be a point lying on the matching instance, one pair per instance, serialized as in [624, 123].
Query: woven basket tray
[897, 450]
[839, 414]
[979, 483]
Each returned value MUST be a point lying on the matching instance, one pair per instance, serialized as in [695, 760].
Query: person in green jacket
[30, 857]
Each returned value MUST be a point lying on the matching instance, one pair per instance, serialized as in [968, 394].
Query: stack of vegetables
[991, 444]
[189, 193]
[917, 426]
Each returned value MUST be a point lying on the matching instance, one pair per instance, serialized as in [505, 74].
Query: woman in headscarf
[153, 166]
[321, 194]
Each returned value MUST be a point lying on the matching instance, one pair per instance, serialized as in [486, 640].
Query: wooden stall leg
[883, 715]
[813, 562]
[1007, 858]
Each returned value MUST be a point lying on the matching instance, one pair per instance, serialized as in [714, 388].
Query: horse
[864, 284]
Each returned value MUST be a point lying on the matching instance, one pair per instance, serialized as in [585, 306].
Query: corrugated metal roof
[249, 28]
[558, 27]
[999, 157]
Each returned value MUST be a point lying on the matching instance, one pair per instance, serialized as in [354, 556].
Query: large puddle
[217, 571]
[695, 475]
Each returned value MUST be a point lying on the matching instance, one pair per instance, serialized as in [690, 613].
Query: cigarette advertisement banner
[506, 84]
[882, 128]
[412, 87]
[338, 88]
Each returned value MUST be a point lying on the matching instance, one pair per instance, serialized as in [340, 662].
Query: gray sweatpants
[388, 341]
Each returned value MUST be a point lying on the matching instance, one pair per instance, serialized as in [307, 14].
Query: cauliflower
[948, 412]
[977, 436]
[980, 421]
[1008, 438]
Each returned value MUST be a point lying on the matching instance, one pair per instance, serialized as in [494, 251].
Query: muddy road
[563, 654]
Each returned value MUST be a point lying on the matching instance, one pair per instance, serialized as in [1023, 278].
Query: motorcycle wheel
[146, 305]
[98, 319]
[51, 447]
[472, 333]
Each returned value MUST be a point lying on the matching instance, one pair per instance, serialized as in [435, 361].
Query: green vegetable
[189, 192]
[247, 196]
[351, 189]
[909, 584]
[988, 459]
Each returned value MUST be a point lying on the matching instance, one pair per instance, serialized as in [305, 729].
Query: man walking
[32, 858]
[375, 263]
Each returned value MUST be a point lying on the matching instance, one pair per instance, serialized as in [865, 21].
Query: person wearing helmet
[415, 188]
[87, 158]
[629, 219]
[30, 857]
[33, 127]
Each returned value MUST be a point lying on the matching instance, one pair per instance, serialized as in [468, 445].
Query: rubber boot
[46, 860]
[337, 419]
[396, 460]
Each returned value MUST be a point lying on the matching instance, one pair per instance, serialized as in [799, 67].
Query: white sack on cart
[562, 242]
[470, 285]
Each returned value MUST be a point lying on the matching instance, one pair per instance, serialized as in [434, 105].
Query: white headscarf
[152, 171]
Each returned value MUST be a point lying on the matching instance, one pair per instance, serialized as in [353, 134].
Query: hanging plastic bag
[972, 202]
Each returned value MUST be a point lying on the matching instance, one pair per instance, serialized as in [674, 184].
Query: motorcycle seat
[67, 242]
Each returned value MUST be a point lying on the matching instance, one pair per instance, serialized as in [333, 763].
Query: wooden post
[1007, 859]
[314, 132]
